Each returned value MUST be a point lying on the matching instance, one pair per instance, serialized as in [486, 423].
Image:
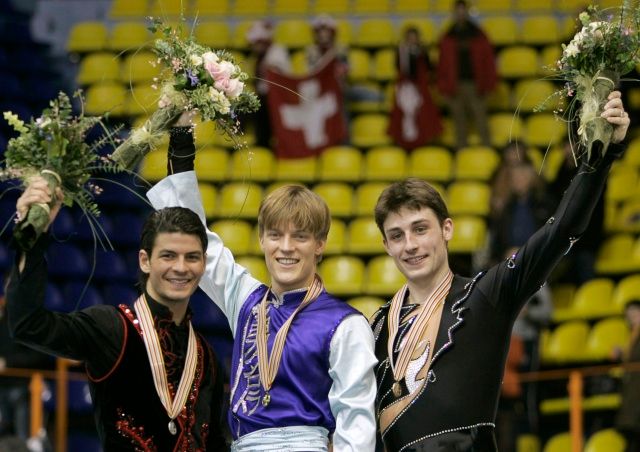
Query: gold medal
[266, 399]
[397, 389]
[172, 427]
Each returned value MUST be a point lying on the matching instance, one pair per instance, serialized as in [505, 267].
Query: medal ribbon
[268, 365]
[421, 321]
[156, 360]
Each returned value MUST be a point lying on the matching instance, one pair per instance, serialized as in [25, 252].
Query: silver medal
[172, 427]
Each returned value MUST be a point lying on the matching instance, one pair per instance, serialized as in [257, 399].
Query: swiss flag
[307, 113]
[415, 119]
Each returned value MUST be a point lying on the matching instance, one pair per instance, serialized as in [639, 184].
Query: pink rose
[234, 88]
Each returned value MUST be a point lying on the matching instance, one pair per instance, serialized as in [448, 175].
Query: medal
[266, 399]
[397, 389]
[172, 427]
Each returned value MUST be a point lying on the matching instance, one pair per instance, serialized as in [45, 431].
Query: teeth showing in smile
[287, 261]
[415, 260]
[179, 281]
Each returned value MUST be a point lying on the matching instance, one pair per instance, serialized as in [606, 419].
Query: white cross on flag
[306, 112]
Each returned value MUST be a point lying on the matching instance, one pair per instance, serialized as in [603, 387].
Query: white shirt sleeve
[353, 392]
[228, 284]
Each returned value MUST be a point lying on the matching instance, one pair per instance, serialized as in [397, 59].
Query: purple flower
[193, 78]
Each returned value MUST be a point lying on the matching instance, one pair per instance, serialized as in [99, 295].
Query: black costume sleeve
[182, 150]
[512, 282]
[94, 335]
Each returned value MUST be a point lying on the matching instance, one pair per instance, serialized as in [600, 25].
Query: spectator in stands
[315, 385]
[628, 418]
[442, 341]
[266, 55]
[155, 384]
[466, 74]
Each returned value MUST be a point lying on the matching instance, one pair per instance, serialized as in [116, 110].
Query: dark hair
[633, 303]
[170, 219]
[412, 193]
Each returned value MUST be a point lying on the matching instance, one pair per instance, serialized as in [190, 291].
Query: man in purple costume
[302, 377]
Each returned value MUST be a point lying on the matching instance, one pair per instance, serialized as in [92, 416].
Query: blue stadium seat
[64, 226]
[53, 298]
[83, 442]
[127, 228]
[79, 398]
[5, 260]
[67, 261]
[88, 229]
[222, 345]
[109, 266]
[77, 295]
[11, 87]
[118, 293]
[206, 315]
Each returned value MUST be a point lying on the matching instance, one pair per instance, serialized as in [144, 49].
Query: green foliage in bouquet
[54, 146]
[194, 78]
[592, 64]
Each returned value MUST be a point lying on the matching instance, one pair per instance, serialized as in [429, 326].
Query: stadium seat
[211, 164]
[290, 7]
[384, 65]
[337, 238]
[340, 163]
[98, 67]
[374, 33]
[368, 130]
[566, 343]
[505, 128]
[240, 200]
[364, 237]
[517, 61]
[128, 36]
[359, 65]
[206, 315]
[468, 198]
[539, 30]
[299, 63]
[385, 163]
[253, 164]
[560, 442]
[79, 295]
[79, 398]
[604, 337]
[371, 6]
[127, 227]
[338, 196]
[79, 441]
[154, 165]
[142, 99]
[591, 300]
[334, 7]
[432, 163]
[256, 267]
[544, 130]
[502, 30]
[128, 9]
[475, 163]
[205, 133]
[67, 261]
[426, 27]
[239, 35]
[628, 216]
[626, 290]
[366, 197]
[368, 305]
[293, 33]
[607, 440]
[209, 195]
[344, 30]
[528, 6]
[632, 154]
[618, 254]
[54, 300]
[298, 170]
[206, 9]
[342, 275]
[383, 277]
[235, 234]
[562, 296]
[108, 97]
[110, 267]
[495, 6]
[257, 8]
[213, 34]
[90, 36]
[529, 94]
[470, 234]
[139, 67]
[621, 184]
[500, 98]
[167, 8]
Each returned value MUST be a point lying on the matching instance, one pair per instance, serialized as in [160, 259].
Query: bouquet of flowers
[54, 146]
[195, 78]
[592, 64]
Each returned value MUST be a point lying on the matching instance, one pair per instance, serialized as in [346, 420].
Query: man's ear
[143, 261]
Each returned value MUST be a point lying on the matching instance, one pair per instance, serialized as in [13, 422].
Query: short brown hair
[298, 205]
[412, 193]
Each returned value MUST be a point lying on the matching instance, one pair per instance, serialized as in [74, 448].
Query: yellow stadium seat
[618, 254]
[300, 170]
[517, 61]
[544, 130]
[254, 163]
[527, 442]
[240, 200]
[495, 6]
[299, 63]
[476, 163]
[239, 34]
[468, 198]
[368, 305]
[469, 236]
[237, 235]
[293, 33]
[384, 65]
[500, 98]
[426, 27]
[560, 442]
[628, 216]
[340, 163]
[336, 239]
[213, 34]
[431, 163]
[128, 9]
[204, 133]
[632, 154]
[364, 236]
[209, 196]
[531, 93]
[129, 36]
[142, 99]
[592, 300]
[342, 275]
[551, 163]
[154, 165]
[562, 296]
[566, 342]
[87, 36]
[331, 7]
[258, 8]
[256, 267]
[366, 197]
[344, 30]
[527, 6]
[108, 97]
[502, 30]
[383, 277]
[601, 402]
[359, 65]
[505, 128]
[404, 7]
[98, 67]
[539, 30]
[212, 164]
[338, 196]
[207, 8]
[375, 33]
[284, 7]
[370, 129]
[621, 184]
[549, 56]
[168, 8]
[370, 6]
[607, 440]
[626, 290]
[385, 163]
[604, 337]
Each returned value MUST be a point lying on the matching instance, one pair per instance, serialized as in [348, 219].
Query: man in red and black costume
[154, 382]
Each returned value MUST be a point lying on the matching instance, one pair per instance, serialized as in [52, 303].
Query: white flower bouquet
[195, 78]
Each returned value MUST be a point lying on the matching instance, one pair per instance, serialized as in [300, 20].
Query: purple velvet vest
[299, 395]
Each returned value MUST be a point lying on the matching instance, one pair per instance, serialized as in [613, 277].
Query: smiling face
[417, 242]
[174, 267]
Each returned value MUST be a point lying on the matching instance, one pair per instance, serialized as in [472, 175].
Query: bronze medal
[266, 399]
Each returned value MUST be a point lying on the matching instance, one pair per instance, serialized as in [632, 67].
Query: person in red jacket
[466, 73]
